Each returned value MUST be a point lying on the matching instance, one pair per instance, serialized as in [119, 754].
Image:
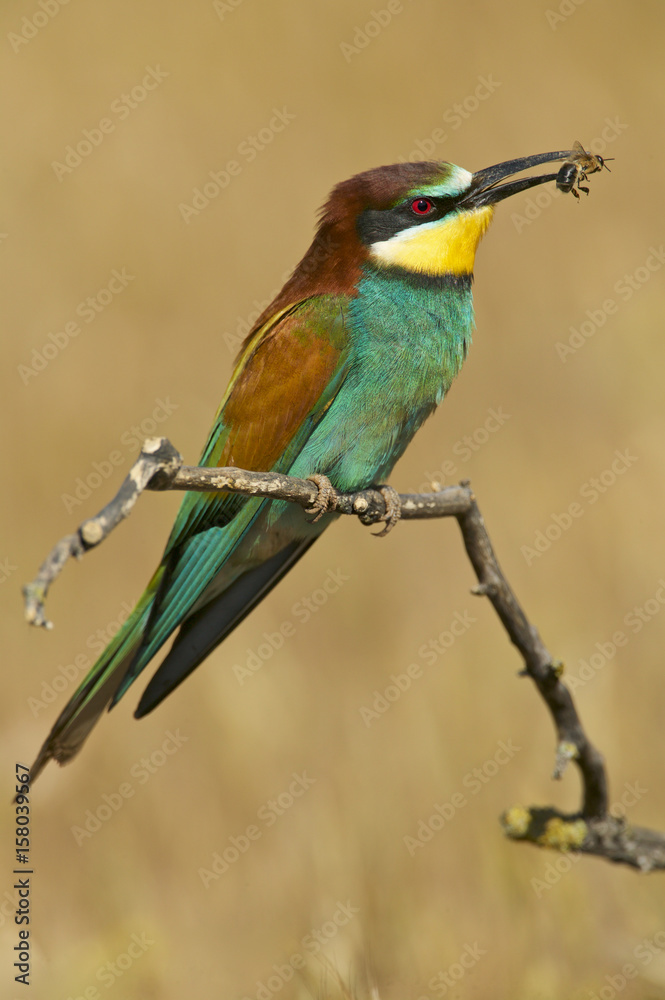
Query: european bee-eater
[335, 378]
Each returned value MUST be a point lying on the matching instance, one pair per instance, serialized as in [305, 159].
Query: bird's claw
[324, 501]
[393, 509]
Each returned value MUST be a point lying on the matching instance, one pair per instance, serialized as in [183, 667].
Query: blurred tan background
[357, 85]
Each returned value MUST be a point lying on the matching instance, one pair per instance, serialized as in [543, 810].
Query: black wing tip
[147, 704]
[157, 690]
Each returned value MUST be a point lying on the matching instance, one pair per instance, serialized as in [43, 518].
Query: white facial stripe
[385, 250]
[381, 248]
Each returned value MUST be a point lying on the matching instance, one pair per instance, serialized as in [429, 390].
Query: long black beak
[485, 187]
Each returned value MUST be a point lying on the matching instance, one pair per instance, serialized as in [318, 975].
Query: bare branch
[604, 837]
[540, 666]
[159, 467]
[592, 830]
[368, 505]
[158, 458]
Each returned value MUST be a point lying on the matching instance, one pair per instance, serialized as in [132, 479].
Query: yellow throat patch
[447, 246]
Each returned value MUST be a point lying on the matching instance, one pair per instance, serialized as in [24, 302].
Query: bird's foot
[325, 500]
[393, 509]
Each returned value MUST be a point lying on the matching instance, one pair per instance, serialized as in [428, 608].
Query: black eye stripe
[374, 225]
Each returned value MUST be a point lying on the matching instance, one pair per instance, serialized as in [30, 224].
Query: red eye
[422, 206]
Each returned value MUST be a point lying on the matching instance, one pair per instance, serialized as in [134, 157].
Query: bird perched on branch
[333, 381]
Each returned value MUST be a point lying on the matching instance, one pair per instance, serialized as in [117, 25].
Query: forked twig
[592, 830]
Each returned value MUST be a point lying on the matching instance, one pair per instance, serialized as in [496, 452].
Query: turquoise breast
[409, 337]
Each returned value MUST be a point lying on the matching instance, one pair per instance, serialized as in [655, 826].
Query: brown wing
[287, 376]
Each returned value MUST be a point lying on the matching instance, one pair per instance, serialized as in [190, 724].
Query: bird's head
[423, 218]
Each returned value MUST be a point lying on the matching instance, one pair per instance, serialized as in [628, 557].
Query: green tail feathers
[97, 690]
